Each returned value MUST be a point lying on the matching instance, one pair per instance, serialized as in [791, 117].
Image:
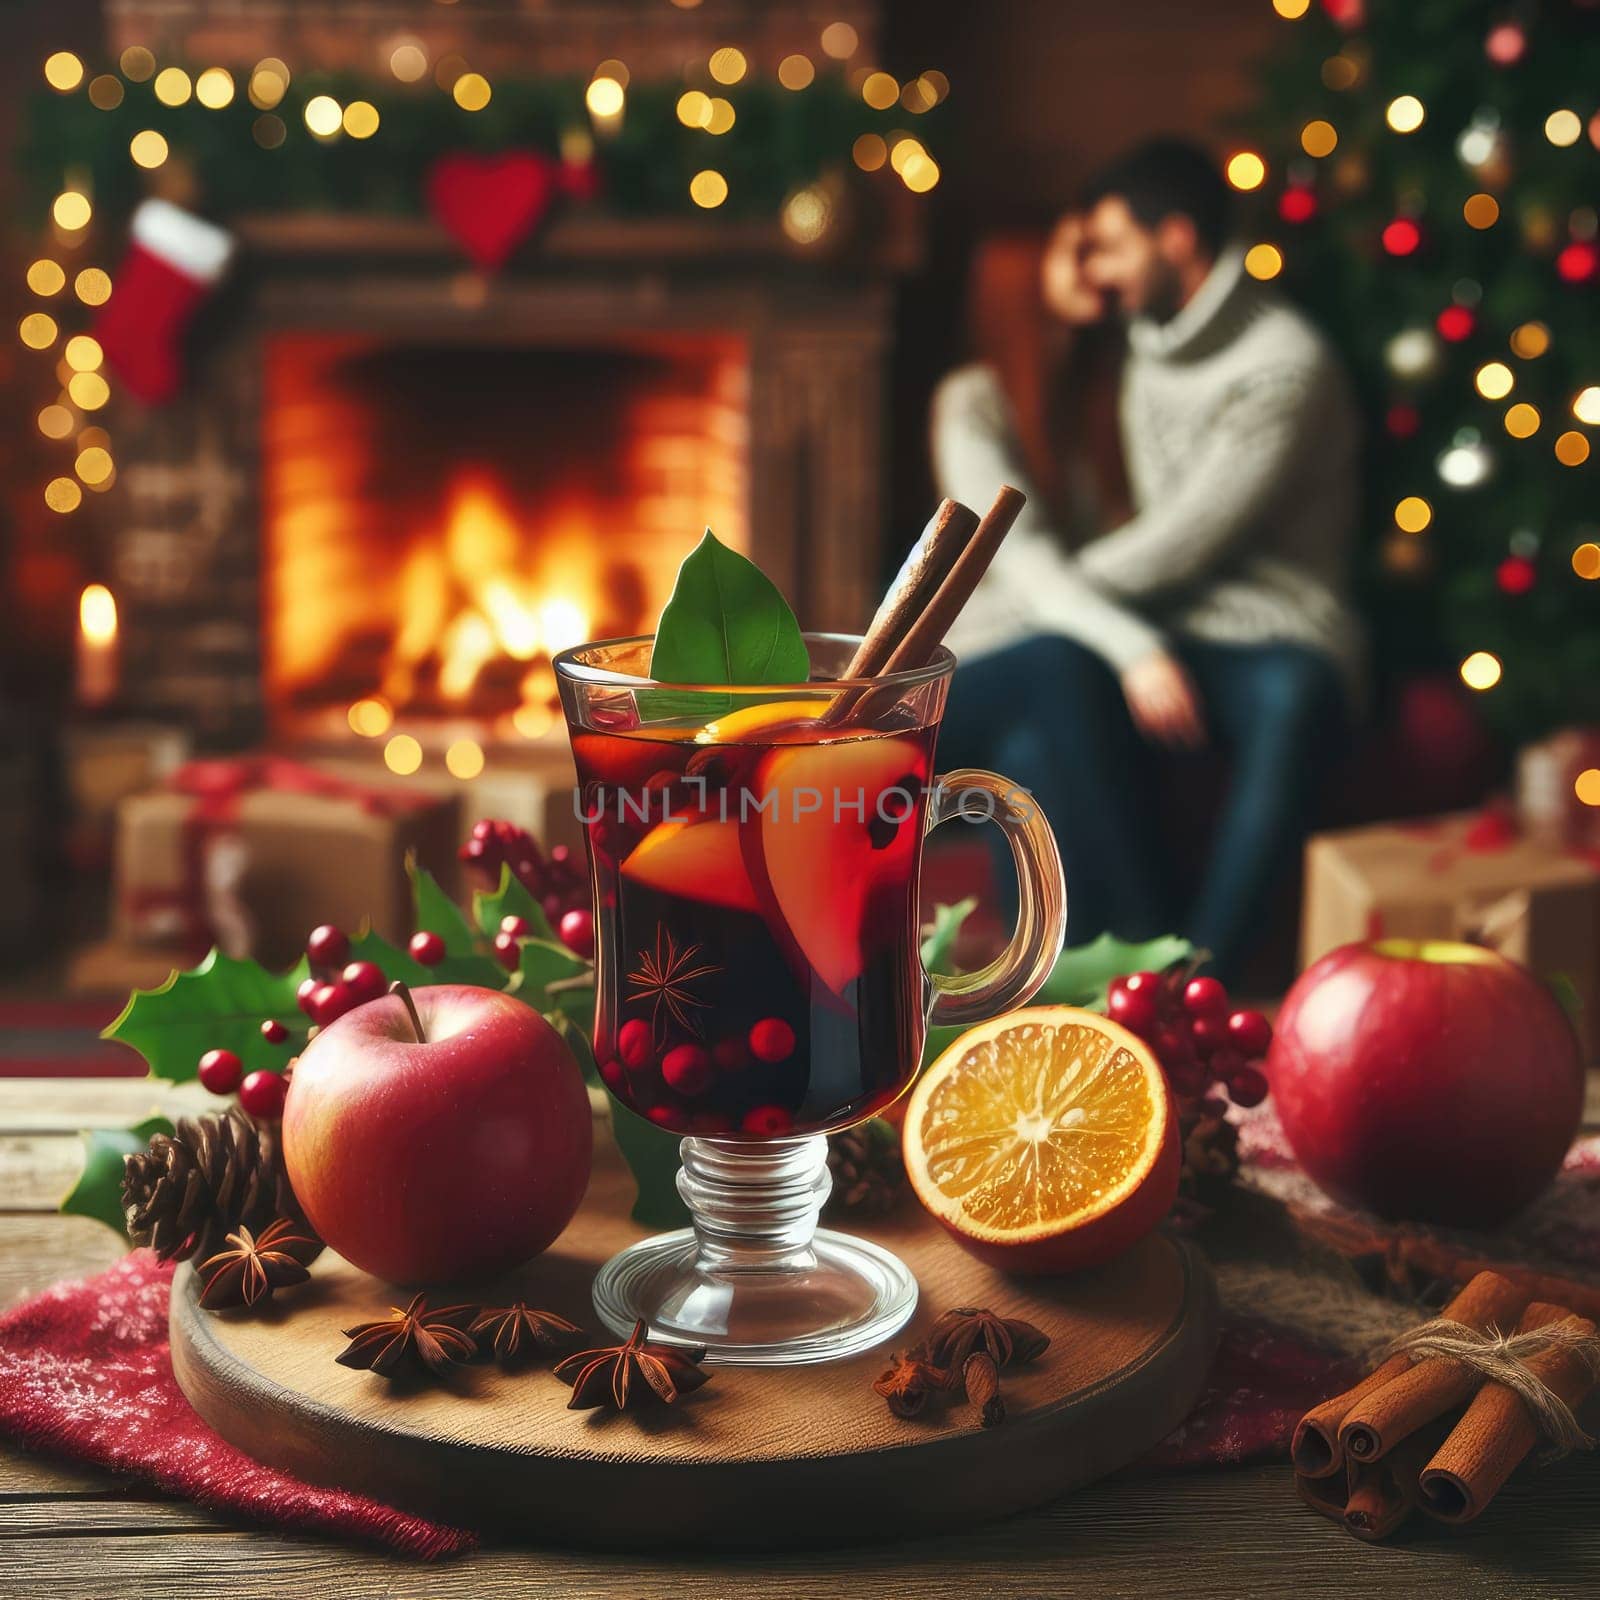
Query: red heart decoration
[491, 204]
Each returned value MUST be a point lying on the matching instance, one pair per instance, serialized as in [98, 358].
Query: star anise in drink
[667, 979]
[633, 1373]
[517, 1333]
[419, 1340]
[1008, 1341]
[252, 1266]
[908, 1383]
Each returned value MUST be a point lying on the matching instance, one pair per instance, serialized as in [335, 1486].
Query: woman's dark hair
[1167, 176]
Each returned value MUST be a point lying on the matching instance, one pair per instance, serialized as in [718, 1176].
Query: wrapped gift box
[253, 853]
[1473, 877]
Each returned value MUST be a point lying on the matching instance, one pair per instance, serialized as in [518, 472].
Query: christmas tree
[1424, 177]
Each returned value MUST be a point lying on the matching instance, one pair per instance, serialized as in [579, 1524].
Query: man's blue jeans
[1050, 715]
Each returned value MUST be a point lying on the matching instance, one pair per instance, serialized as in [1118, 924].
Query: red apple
[456, 1157]
[1428, 1080]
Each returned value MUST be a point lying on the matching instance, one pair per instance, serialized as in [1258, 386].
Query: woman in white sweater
[1216, 611]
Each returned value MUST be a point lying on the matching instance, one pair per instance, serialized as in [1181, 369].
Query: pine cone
[869, 1176]
[208, 1177]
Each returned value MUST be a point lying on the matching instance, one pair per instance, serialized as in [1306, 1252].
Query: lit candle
[97, 646]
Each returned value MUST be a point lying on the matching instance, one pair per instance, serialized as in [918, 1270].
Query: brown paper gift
[1472, 877]
[253, 853]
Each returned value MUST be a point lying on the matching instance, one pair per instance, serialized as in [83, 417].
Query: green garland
[781, 141]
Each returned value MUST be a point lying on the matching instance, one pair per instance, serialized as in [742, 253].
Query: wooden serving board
[796, 1457]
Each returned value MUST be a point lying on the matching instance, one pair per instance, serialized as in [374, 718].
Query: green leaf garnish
[491, 907]
[98, 1191]
[725, 623]
[940, 940]
[438, 913]
[652, 1157]
[219, 1005]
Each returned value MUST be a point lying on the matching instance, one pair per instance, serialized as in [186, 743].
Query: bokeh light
[63, 494]
[136, 63]
[869, 152]
[1585, 559]
[708, 188]
[1586, 786]
[605, 98]
[1494, 380]
[464, 759]
[106, 92]
[402, 755]
[1319, 138]
[173, 87]
[408, 61]
[88, 391]
[148, 148]
[471, 91]
[324, 115]
[880, 90]
[72, 210]
[55, 422]
[720, 115]
[1522, 420]
[1263, 261]
[1246, 170]
[840, 41]
[1405, 113]
[796, 72]
[1481, 670]
[371, 718]
[1572, 449]
[1413, 514]
[806, 214]
[83, 353]
[361, 119]
[694, 108]
[1563, 128]
[94, 465]
[37, 330]
[1291, 10]
[214, 88]
[269, 131]
[1586, 405]
[1481, 211]
[269, 82]
[1530, 341]
[63, 71]
[728, 65]
[46, 277]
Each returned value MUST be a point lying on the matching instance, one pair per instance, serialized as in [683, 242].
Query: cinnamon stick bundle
[1498, 1430]
[1318, 1448]
[1394, 1411]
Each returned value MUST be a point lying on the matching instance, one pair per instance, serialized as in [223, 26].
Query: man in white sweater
[1215, 612]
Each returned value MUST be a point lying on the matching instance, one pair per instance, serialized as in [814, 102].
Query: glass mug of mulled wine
[756, 853]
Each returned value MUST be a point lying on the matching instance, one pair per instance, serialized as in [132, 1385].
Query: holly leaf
[481, 971]
[98, 1191]
[725, 622]
[543, 963]
[652, 1157]
[218, 1005]
[511, 899]
[940, 940]
[438, 913]
[1081, 975]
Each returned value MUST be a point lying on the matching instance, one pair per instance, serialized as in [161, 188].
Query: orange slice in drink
[695, 860]
[1044, 1140]
[754, 723]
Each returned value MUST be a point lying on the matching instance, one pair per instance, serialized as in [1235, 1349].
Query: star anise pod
[633, 1373]
[517, 1332]
[908, 1383]
[420, 1339]
[252, 1266]
[980, 1382]
[1008, 1340]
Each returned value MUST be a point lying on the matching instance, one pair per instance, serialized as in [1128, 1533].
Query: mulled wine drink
[756, 894]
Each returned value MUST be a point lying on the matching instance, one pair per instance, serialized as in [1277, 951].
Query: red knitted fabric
[86, 1373]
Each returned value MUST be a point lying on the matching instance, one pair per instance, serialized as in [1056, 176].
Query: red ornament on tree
[1402, 237]
[1346, 14]
[1455, 323]
[1297, 204]
[1516, 575]
[172, 266]
[1579, 262]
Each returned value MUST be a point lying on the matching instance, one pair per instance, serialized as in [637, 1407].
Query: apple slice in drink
[835, 824]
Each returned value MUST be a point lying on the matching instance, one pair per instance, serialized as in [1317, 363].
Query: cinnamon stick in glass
[1496, 1432]
[1316, 1449]
[1386, 1415]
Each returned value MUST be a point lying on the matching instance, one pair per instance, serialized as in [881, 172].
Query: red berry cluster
[664, 1085]
[576, 931]
[261, 1093]
[1198, 1037]
[557, 879]
[337, 984]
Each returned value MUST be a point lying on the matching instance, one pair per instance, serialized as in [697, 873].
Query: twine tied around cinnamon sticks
[1503, 1358]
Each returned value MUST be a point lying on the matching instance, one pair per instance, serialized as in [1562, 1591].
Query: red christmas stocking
[173, 263]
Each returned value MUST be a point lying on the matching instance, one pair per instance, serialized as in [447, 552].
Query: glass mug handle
[1012, 978]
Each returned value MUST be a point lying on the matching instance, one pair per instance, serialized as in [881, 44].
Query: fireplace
[438, 519]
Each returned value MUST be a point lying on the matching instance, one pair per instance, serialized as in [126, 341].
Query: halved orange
[1044, 1140]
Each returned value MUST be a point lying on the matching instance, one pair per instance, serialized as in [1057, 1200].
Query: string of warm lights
[116, 132]
[1495, 219]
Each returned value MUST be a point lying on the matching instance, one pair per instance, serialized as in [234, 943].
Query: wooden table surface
[68, 1533]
